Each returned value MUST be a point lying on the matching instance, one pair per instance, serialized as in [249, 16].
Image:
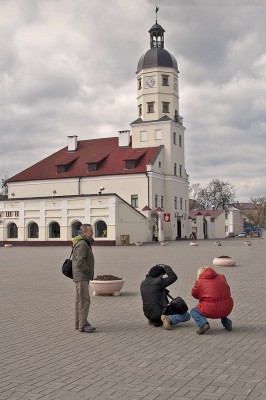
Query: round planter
[107, 287]
[163, 243]
[247, 243]
[224, 262]
[8, 245]
[217, 243]
[138, 244]
[193, 244]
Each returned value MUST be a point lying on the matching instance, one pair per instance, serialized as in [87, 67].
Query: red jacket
[213, 293]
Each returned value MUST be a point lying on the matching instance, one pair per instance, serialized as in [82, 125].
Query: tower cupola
[157, 36]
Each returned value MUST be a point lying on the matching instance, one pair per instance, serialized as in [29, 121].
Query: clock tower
[159, 124]
[157, 80]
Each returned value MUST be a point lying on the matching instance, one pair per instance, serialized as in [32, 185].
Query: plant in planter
[107, 285]
[224, 261]
[247, 243]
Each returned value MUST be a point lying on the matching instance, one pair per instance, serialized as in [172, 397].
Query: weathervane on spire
[156, 11]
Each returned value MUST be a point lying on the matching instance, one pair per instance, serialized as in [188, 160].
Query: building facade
[129, 187]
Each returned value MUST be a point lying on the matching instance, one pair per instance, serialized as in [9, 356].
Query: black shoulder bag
[176, 306]
[67, 267]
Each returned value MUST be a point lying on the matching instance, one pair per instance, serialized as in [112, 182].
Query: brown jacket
[83, 259]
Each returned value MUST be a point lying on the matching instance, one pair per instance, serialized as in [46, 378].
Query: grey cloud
[69, 67]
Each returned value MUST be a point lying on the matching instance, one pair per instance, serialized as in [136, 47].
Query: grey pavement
[44, 357]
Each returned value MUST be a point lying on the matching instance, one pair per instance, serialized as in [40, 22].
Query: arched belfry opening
[157, 36]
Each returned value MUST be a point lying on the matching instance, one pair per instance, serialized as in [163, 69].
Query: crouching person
[154, 297]
[215, 301]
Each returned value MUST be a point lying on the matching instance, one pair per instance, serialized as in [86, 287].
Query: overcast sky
[68, 67]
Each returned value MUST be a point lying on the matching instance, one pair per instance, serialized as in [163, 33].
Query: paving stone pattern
[44, 357]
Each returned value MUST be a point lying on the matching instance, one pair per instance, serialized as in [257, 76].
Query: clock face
[150, 81]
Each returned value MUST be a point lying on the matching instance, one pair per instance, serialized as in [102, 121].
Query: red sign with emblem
[166, 217]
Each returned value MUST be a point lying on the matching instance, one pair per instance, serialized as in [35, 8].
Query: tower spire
[156, 11]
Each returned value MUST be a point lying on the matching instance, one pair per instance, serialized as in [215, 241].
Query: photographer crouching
[154, 297]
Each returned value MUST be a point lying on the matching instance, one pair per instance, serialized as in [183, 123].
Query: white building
[207, 224]
[127, 187]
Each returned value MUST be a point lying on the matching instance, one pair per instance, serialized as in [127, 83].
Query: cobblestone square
[44, 357]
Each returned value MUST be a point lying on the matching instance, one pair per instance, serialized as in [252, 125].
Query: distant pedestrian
[155, 235]
[83, 272]
[215, 301]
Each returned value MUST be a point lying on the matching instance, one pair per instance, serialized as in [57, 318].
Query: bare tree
[4, 188]
[217, 195]
[257, 215]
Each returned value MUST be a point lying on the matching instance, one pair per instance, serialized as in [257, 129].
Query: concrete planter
[217, 243]
[224, 261]
[193, 244]
[247, 243]
[138, 244]
[107, 287]
[163, 243]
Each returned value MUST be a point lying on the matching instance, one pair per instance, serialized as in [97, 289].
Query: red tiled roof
[146, 208]
[67, 159]
[134, 155]
[97, 158]
[88, 151]
[205, 213]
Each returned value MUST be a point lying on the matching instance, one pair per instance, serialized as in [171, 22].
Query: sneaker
[87, 329]
[92, 327]
[203, 329]
[228, 328]
[167, 324]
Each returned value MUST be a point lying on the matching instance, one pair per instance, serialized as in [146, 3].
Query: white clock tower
[159, 124]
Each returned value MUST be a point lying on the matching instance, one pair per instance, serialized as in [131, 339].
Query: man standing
[154, 296]
[83, 272]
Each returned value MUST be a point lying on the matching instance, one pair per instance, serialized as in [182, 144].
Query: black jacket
[154, 294]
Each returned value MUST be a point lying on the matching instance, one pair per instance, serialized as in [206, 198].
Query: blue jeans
[177, 318]
[201, 320]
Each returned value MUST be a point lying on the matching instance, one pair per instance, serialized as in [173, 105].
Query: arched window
[12, 231]
[33, 230]
[75, 228]
[54, 230]
[100, 229]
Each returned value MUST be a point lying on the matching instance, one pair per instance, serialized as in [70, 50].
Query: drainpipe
[148, 189]
[79, 179]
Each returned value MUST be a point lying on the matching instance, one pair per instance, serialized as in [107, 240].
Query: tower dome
[157, 56]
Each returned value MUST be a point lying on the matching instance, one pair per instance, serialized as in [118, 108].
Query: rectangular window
[92, 167]
[180, 140]
[181, 203]
[16, 213]
[130, 164]
[185, 205]
[150, 107]
[161, 201]
[143, 136]
[180, 170]
[174, 168]
[140, 109]
[165, 80]
[156, 200]
[165, 107]
[158, 134]
[9, 213]
[134, 200]
[175, 202]
[174, 138]
[139, 83]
